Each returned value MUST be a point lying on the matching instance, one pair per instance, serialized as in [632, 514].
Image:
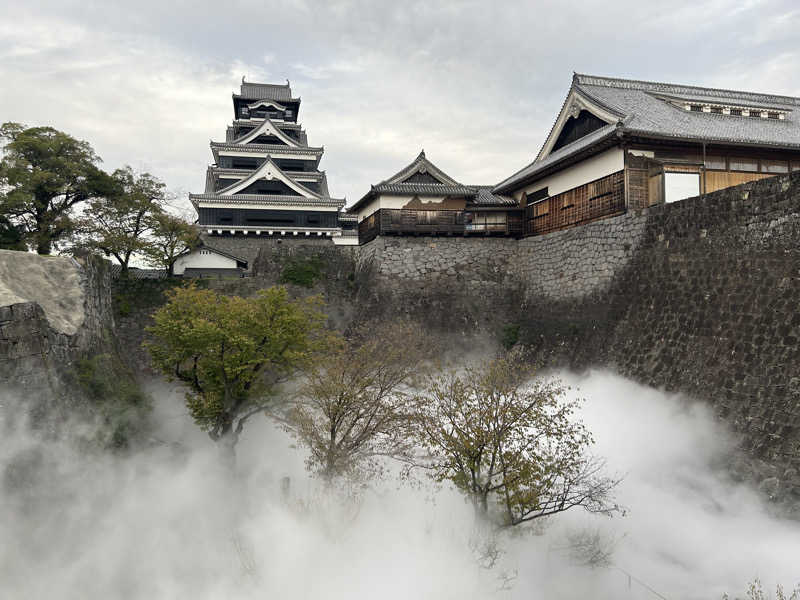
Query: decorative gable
[579, 117]
[269, 171]
[421, 177]
[421, 171]
[578, 126]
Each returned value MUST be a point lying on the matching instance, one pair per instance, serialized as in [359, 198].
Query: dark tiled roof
[213, 173]
[553, 158]
[257, 122]
[225, 172]
[485, 197]
[421, 164]
[645, 109]
[262, 148]
[722, 95]
[423, 188]
[396, 183]
[647, 113]
[245, 199]
[205, 246]
[267, 91]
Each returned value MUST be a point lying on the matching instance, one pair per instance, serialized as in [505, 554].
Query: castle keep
[265, 180]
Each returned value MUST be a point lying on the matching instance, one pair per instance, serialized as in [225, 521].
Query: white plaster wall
[595, 167]
[263, 153]
[387, 201]
[203, 259]
[256, 204]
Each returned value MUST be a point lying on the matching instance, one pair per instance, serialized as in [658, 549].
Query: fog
[169, 522]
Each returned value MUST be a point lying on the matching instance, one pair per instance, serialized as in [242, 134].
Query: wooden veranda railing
[391, 221]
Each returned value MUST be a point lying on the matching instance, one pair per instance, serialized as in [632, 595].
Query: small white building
[205, 261]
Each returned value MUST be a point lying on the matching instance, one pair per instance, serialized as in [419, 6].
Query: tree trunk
[226, 440]
[44, 246]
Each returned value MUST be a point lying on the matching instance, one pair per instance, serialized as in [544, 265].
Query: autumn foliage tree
[232, 352]
[511, 444]
[354, 406]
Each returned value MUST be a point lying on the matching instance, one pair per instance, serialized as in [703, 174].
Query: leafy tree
[510, 445]
[119, 224]
[354, 406]
[10, 236]
[231, 352]
[171, 238]
[44, 175]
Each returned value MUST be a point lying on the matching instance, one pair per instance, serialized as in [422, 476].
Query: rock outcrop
[53, 311]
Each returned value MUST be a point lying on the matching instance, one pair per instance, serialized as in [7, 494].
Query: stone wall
[699, 296]
[248, 247]
[53, 311]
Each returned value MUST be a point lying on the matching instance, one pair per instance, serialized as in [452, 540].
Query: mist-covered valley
[171, 521]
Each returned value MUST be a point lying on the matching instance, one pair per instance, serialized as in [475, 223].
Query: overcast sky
[476, 84]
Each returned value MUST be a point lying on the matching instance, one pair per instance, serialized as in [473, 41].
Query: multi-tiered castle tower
[265, 180]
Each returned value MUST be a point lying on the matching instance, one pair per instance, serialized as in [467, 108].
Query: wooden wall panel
[601, 198]
[655, 186]
[718, 180]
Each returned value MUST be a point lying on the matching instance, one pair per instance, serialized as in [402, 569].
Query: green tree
[10, 236]
[232, 352]
[171, 238]
[44, 175]
[510, 444]
[120, 224]
[354, 406]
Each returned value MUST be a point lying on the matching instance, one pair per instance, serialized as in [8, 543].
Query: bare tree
[510, 444]
[354, 405]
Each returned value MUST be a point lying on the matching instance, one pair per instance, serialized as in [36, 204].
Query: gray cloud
[476, 84]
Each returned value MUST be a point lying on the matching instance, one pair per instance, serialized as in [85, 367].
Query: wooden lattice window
[541, 209]
[749, 165]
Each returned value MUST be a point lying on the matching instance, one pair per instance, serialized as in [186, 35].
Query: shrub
[509, 336]
[114, 397]
[304, 271]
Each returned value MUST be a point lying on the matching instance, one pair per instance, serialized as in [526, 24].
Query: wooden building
[265, 180]
[421, 199]
[621, 144]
